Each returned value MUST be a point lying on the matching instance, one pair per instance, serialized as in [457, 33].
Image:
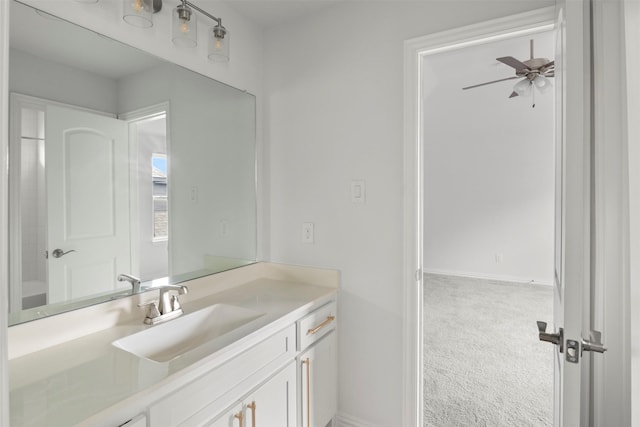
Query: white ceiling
[269, 13]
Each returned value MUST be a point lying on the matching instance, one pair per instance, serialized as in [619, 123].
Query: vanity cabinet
[318, 368]
[201, 401]
[271, 404]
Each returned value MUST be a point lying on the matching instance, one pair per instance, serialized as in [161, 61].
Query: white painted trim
[414, 50]
[345, 420]
[611, 376]
[4, 143]
[632, 43]
[500, 278]
[43, 102]
[133, 117]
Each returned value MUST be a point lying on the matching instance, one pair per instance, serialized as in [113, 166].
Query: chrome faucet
[168, 305]
[135, 282]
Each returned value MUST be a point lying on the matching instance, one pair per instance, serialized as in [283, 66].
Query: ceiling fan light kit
[534, 72]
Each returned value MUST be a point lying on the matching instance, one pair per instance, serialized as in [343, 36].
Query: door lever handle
[58, 253]
[594, 343]
[554, 338]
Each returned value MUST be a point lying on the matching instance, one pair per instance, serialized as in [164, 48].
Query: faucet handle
[152, 312]
[175, 303]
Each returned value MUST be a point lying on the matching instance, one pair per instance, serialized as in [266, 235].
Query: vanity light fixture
[184, 26]
[185, 29]
[138, 13]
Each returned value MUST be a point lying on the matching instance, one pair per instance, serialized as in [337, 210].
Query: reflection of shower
[33, 218]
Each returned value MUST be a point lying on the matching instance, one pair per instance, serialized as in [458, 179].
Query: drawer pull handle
[252, 406]
[240, 418]
[328, 320]
[307, 362]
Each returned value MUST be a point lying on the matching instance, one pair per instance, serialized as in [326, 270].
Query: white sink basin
[166, 341]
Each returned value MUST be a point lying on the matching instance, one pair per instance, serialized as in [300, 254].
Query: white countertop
[70, 382]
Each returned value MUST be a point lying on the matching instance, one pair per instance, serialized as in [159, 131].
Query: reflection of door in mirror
[149, 140]
[87, 172]
[69, 203]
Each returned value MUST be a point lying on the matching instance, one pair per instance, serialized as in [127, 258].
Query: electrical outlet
[307, 232]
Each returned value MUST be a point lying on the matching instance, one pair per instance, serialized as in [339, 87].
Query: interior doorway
[488, 233]
[416, 52]
[150, 188]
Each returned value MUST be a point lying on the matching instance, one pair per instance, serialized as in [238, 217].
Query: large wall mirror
[120, 163]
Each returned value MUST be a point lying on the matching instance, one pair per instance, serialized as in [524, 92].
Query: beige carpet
[484, 364]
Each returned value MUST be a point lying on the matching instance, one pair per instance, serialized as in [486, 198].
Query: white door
[573, 207]
[87, 170]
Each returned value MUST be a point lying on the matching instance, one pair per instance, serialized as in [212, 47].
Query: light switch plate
[358, 190]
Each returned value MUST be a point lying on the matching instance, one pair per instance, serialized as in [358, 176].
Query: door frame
[414, 51]
[132, 117]
[4, 199]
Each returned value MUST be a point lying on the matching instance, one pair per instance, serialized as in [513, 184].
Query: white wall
[488, 166]
[334, 114]
[30, 75]
[211, 149]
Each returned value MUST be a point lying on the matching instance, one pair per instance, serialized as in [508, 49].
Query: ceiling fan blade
[513, 94]
[513, 62]
[491, 82]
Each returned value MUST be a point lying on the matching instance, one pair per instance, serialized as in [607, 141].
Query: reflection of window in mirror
[152, 189]
[159, 197]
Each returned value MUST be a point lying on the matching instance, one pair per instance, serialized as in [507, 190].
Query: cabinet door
[274, 403]
[233, 417]
[319, 382]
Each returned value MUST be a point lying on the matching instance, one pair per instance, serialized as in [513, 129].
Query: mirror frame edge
[4, 141]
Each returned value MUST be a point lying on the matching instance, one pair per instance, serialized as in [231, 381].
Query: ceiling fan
[533, 72]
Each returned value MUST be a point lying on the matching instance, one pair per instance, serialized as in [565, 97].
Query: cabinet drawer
[316, 325]
[214, 385]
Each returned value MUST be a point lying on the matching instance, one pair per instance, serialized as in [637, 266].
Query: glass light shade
[138, 13]
[523, 87]
[218, 44]
[542, 84]
[184, 30]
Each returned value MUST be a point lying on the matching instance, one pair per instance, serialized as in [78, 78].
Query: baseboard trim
[501, 278]
[344, 420]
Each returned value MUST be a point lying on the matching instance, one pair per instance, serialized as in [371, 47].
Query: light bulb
[137, 6]
[218, 43]
[184, 26]
[523, 87]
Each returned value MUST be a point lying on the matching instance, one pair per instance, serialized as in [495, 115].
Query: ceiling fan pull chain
[533, 96]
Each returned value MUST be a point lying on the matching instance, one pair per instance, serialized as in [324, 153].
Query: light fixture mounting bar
[204, 12]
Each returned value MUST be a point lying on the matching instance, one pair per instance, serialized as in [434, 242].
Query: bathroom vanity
[256, 346]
